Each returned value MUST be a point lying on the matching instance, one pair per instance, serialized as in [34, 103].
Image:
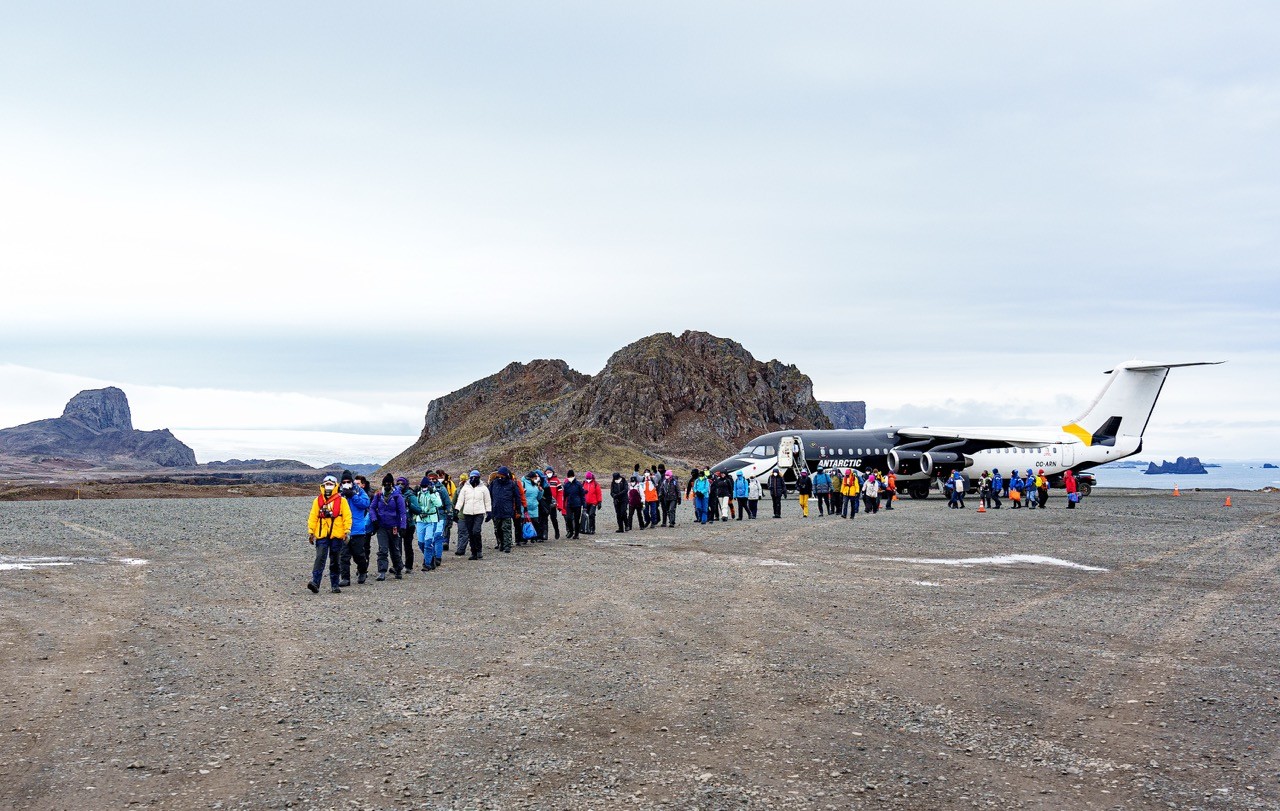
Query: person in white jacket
[475, 508]
[753, 497]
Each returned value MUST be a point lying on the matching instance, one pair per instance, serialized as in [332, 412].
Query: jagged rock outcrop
[850, 414]
[1184, 465]
[96, 426]
[682, 400]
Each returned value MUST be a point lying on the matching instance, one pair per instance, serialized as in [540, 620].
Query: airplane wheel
[919, 492]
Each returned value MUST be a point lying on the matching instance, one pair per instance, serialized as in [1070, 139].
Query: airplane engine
[934, 462]
[905, 462]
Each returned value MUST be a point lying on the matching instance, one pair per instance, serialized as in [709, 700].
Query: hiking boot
[398, 575]
[361, 579]
[345, 583]
[382, 576]
[335, 590]
[314, 588]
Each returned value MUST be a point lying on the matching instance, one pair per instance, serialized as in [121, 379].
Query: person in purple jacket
[388, 512]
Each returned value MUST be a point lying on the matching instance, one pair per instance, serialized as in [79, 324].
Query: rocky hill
[851, 414]
[683, 400]
[96, 427]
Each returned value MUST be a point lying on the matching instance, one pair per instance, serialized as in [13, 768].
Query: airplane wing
[1019, 437]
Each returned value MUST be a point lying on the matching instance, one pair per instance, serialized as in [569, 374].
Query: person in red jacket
[594, 499]
[1069, 484]
[557, 493]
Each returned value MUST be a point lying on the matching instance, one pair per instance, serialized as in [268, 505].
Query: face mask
[475, 481]
[328, 489]
[386, 488]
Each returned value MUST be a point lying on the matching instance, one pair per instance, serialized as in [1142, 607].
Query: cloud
[36, 394]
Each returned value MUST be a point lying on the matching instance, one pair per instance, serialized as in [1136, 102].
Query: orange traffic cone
[982, 507]
[895, 496]
[1175, 490]
[1228, 504]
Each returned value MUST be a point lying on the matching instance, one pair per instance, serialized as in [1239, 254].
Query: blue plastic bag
[529, 532]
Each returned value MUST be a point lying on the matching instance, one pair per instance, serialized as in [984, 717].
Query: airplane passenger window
[859, 451]
[1055, 450]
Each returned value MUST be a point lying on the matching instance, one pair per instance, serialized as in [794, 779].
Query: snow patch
[772, 562]
[929, 583]
[1000, 560]
[10, 563]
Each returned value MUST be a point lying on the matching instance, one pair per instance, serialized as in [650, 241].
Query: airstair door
[790, 457]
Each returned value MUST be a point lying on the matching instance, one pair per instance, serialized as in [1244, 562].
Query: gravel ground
[767, 664]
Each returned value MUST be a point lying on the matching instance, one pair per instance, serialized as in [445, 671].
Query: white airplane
[1111, 428]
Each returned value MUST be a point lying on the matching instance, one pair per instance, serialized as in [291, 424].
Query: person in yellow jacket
[328, 529]
[851, 489]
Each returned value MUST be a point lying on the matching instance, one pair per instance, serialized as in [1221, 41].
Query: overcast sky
[283, 227]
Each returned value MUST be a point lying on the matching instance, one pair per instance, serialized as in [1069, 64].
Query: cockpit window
[747, 451]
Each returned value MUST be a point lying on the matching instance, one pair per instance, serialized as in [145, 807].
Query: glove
[311, 539]
[488, 517]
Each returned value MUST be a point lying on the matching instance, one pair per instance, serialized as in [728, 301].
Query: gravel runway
[901, 660]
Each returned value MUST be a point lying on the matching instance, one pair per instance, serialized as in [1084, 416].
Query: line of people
[346, 516]
[1031, 491]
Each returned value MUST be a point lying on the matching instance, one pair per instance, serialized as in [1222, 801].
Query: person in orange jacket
[328, 528]
[649, 490]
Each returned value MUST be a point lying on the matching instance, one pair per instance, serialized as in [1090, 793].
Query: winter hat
[616, 475]
[670, 475]
[425, 482]
[504, 470]
[402, 480]
[388, 479]
[590, 476]
[348, 476]
[550, 470]
[569, 473]
[330, 480]
[474, 473]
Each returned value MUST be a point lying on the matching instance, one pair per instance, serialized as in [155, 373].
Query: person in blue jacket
[741, 487]
[355, 489]
[532, 485]
[700, 485]
[822, 491]
[958, 489]
[1016, 486]
[997, 485]
[388, 511]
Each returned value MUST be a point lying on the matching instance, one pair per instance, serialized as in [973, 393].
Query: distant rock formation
[96, 426]
[851, 414]
[1268, 466]
[1185, 465]
[683, 400]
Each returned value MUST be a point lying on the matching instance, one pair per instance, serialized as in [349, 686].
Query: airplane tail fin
[1124, 406]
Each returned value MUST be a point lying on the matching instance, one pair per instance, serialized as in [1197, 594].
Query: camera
[325, 512]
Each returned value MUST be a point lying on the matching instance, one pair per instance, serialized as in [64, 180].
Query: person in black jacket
[722, 492]
[618, 492]
[575, 498]
[503, 490]
[777, 487]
